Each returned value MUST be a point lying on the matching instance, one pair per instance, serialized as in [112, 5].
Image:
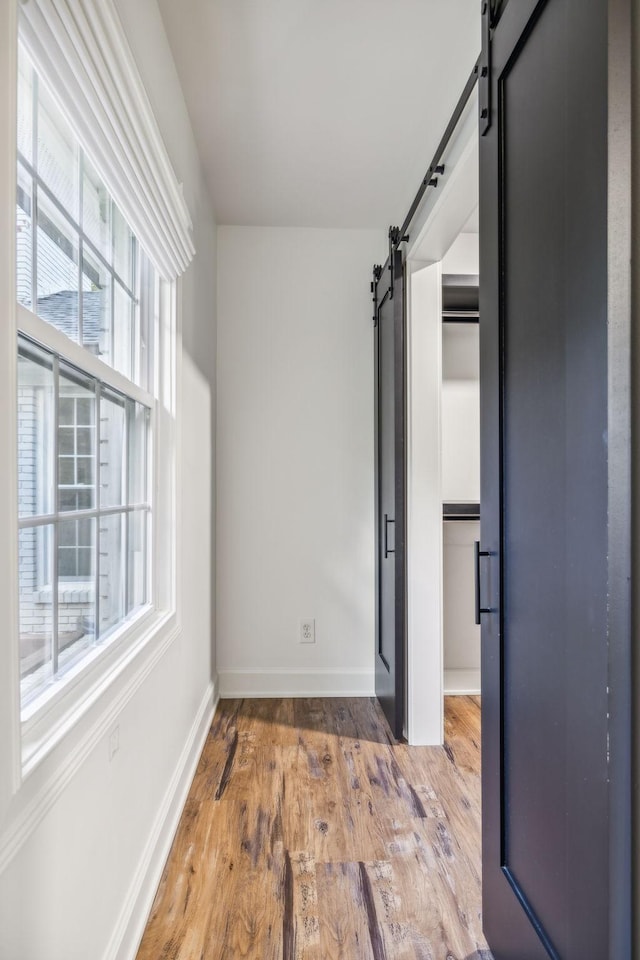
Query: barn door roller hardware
[395, 239]
[377, 273]
[398, 235]
[483, 68]
[491, 11]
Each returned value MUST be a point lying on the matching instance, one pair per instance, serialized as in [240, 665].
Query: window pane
[137, 559]
[57, 160]
[122, 330]
[112, 571]
[76, 589]
[66, 411]
[112, 449]
[24, 238]
[85, 562]
[83, 263]
[84, 471]
[67, 471]
[138, 446]
[145, 322]
[35, 431]
[76, 441]
[25, 107]
[35, 546]
[96, 209]
[66, 441]
[57, 269]
[96, 305]
[67, 555]
[85, 407]
[85, 440]
[123, 248]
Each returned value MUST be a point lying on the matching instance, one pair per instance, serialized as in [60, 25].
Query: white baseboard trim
[131, 923]
[461, 683]
[297, 683]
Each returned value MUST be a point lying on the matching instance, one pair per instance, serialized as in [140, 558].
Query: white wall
[295, 510]
[461, 387]
[460, 413]
[463, 256]
[460, 453]
[82, 840]
[461, 635]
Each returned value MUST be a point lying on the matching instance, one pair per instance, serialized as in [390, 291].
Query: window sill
[50, 717]
[76, 591]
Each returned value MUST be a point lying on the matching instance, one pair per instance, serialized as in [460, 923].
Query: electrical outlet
[307, 631]
[114, 742]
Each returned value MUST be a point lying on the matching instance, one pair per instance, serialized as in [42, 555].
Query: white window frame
[60, 706]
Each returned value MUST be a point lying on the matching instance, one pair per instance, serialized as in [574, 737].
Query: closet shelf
[460, 299]
[461, 316]
[460, 511]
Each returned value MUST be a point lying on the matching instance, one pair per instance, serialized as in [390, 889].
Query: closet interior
[460, 460]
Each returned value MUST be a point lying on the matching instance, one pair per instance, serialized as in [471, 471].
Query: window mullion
[34, 193]
[112, 285]
[46, 519]
[80, 249]
[129, 407]
[97, 480]
[56, 480]
[40, 332]
[134, 338]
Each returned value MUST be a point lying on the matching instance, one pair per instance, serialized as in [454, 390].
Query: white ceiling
[321, 113]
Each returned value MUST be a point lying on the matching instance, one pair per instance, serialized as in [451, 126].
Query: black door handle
[479, 553]
[387, 521]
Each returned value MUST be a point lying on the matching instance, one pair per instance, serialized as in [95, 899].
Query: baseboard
[461, 683]
[129, 929]
[296, 683]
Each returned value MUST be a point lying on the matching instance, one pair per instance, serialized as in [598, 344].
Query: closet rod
[460, 511]
[457, 316]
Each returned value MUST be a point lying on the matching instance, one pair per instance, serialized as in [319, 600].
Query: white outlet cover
[307, 631]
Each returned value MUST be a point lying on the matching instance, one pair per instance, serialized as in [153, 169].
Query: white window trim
[52, 339]
[28, 792]
[62, 705]
[47, 719]
[11, 769]
[123, 667]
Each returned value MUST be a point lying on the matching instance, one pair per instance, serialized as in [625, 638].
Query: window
[78, 261]
[88, 316]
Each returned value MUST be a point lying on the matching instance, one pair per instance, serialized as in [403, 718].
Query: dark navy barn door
[389, 345]
[555, 871]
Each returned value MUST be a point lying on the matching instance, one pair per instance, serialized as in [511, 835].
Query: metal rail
[398, 235]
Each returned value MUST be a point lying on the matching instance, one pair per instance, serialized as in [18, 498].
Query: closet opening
[460, 466]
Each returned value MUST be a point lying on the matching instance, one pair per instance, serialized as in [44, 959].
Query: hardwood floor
[309, 834]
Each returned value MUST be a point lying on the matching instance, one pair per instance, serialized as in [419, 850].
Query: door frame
[434, 230]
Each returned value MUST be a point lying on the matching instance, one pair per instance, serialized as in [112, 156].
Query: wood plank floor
[309, 834]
